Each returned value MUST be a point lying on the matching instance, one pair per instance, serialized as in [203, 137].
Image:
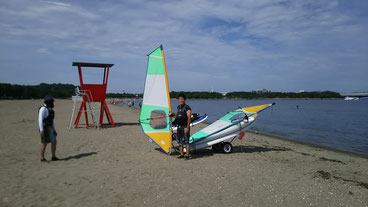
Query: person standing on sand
[46, 126]
[182, 121]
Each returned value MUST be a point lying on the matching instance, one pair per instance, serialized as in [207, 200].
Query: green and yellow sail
[154, 119]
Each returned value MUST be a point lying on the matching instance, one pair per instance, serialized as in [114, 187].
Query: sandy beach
[120, 167]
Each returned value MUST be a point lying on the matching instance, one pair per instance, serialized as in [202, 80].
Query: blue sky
[226, 45]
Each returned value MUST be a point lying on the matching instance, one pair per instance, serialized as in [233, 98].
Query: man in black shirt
[182, 121]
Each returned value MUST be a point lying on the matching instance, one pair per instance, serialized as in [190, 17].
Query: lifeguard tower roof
[96, 65]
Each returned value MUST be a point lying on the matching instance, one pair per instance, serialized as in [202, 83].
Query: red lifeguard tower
[94, 92]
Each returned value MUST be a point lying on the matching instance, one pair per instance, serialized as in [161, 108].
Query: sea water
[336, 124]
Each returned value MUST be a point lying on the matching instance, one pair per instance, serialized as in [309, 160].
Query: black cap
[48, 97]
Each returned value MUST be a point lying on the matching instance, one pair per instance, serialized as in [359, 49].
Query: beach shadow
[107, 126]
[202, 153]
[119, 124]
[78, 156]
[252, 149]
[195, 154]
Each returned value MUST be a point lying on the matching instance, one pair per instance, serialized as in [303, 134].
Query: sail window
[158, 119]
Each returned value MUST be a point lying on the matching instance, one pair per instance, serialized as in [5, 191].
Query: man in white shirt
[46, 125]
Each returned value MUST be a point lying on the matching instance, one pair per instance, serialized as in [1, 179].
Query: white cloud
[285, 39]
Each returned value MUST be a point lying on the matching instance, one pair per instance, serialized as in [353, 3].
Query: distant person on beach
[46, 125]
[182, 122]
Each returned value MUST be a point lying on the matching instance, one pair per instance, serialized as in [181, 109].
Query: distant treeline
[123, 95]
[10, 91]
[197, 94]
[253, 95]
[58, 90]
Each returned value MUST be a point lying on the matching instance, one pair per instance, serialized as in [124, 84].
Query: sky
[237, 45]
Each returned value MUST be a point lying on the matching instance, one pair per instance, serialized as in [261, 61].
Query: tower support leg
[79, 115]
[101, 113]
[108, 114]
[85, 113]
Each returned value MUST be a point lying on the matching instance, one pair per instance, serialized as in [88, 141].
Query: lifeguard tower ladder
[94, 93]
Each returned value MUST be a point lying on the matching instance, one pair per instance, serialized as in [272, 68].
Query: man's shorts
[48, 136]
[182, 139]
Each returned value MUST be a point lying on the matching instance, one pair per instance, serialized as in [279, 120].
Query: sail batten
[156, 102]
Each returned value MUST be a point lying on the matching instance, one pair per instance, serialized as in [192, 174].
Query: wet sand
[120, 167]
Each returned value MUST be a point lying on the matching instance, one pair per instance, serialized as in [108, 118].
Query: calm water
[336, 124]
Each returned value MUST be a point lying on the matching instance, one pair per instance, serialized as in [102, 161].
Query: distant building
[258, 91]
[301, 91]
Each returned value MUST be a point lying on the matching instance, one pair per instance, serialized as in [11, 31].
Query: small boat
[222, 132]
[348, 98]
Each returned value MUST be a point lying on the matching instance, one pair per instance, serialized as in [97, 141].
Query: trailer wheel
[227, 148]
[217, 147]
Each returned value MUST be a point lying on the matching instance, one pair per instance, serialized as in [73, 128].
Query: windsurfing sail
[156, 105]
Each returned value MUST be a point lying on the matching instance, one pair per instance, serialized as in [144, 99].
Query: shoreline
[290, 139]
